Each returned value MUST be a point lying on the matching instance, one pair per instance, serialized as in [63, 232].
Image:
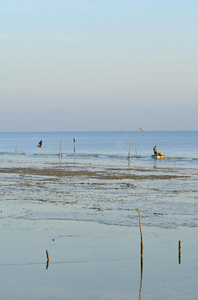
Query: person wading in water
[155, 150]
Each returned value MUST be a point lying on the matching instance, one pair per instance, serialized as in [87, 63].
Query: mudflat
[85, 216]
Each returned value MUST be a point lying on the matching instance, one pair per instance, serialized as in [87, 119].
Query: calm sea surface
[179, 148]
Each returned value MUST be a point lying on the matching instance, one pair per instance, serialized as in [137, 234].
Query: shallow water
[95, 261]
[82, 207]
[167, 197]
[177, 147]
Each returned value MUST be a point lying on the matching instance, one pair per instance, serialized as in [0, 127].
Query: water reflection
[47, 265]
[141, 255]
[155, 164]
[129, 163]
[141, 273]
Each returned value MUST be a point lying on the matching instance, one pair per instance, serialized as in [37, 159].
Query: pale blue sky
[98, 65]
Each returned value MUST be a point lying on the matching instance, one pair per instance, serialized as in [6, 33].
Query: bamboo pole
[47, 254]
[141, 239]
[135, 146]
[179, 252]
[60, 150]
[129, 150]
[141, 254]
[74, 144]
[47, 263]
[140, 230]
[16, 147]
[140, 289]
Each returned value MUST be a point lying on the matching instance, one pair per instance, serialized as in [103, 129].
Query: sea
[165, 190]
[180, 148]
[81, 205]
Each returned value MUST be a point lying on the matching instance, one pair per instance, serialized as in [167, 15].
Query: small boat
[157, 156]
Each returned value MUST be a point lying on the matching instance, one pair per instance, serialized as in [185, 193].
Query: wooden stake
[47, 254]
[135, 146]
[140, 229]
[60, 150]
[179, 252]
[74, 143]
[47, 265]
[141, 254]
[16, 147]
[129, 150]
[141, 240]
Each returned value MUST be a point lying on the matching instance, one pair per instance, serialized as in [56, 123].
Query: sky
[98, 65]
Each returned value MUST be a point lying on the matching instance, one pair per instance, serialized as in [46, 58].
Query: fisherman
[40, 143]
[155, 150]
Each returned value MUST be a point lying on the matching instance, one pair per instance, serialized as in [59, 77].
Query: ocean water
[166, 190]
[179, 148]
[88, 220]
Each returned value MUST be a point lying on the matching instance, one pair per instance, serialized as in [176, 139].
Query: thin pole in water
[60, 150]
[179, 252]
[74, 140]
[16, 147]
[129, 150]
[135, 146]
[141, 254]
[47, 263]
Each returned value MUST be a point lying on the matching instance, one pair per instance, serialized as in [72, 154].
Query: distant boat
[141, 129]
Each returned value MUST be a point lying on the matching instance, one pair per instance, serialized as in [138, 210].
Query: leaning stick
[47, 254]
[47, 263]
[141, 240]
[74, 144]
[135, 146]
[140, 229]
[179, 250]
[60, 150]
[140, 290]
[16, 147]
[129, 150]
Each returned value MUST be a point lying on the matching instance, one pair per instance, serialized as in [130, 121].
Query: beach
[98, 150]
[85, 215]
[83, 191]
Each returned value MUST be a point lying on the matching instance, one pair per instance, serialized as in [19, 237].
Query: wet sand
[88, 192]
[45, 208]
[107, 173]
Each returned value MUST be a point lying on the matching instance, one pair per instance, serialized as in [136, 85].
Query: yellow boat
[157, 156]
